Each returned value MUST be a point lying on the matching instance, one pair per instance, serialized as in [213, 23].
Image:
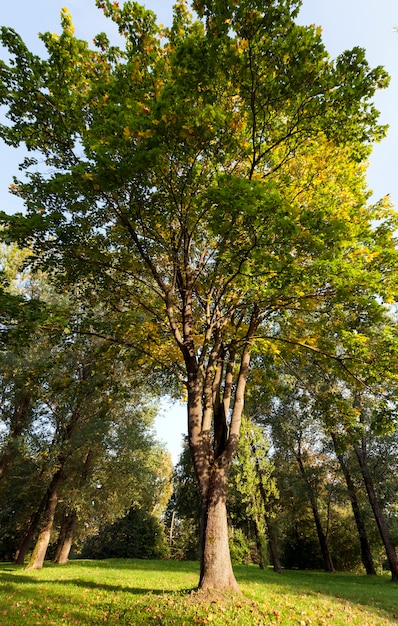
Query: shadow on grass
[96, 576]
[10, 583]
[87, 580]
[374, 592]
[135, 564]
[60, 595]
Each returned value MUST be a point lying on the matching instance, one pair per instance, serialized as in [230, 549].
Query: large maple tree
[203, 181]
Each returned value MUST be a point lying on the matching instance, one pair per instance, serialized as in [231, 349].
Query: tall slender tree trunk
[19, 420]
[322, 537]
[272, 535]
[323, 541]
[22, 550]
[260, 537]
[39, 552]
[171, 531]
[69, 519]
[65, 539]
[273, 544]
[377, 511]
[366, 553]
[30, 530]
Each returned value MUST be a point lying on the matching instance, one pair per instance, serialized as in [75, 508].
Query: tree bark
[32, 524]
[323, 542]
[366, 553]
[39, 552]
[273, 545]
[69, 519]
[65, 538]
[216, 568]
[260, 538]
[378, 512]
[215, 561]
[19, 420]
[322, 537]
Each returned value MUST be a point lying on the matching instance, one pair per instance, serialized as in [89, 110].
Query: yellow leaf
[144, 133]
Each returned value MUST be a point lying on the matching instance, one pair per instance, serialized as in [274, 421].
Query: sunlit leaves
[205, 181]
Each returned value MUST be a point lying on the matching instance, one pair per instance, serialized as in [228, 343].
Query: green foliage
[183, 511]
[240, 548]
[20, 493]
[184, 541]
[266, 85]
[67, 406]
[344, 542]
[137, 535]
[300, 548]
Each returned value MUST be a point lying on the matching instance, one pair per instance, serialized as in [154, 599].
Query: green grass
[134, 592]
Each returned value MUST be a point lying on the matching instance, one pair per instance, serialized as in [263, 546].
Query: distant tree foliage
[137, 535]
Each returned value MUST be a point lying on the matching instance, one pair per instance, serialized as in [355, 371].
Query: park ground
[134, 592]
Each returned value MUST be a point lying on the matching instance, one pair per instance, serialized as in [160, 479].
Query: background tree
[137, 535]
[254, 487]
[362, 407]
[23, 352]
[79, 421]
[293, 431]
[367, 340]
[183, 511]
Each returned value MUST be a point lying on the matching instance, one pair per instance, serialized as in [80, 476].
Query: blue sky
[345, 23]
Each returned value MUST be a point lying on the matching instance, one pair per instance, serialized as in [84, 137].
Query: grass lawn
[133, 592]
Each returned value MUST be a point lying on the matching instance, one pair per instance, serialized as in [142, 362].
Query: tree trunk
[273, 545]
[19, 557]
[19, 420]
[28, 535]
[260, 538]
[171, 531]
[366, 554]
[215, 560]
[378, 513]
[39, 553]
[323, 542]
[65, 538]
[69, 519]
[216, 567]
[208, 411]
[322, 537]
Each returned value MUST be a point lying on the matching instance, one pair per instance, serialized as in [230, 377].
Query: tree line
[78, 447]
[305, 491]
